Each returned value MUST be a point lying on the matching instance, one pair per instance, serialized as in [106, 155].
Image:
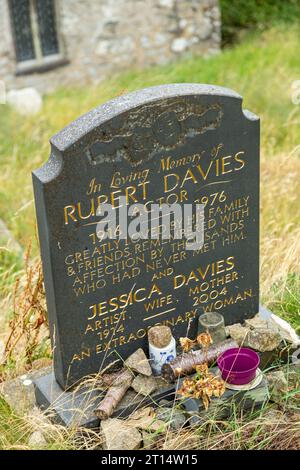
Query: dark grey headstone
[197, 132]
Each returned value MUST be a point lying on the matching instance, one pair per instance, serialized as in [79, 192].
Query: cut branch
[186, 363]
[120, 383]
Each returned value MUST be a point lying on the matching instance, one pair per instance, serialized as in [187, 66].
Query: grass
[262, 68]
[238, 16]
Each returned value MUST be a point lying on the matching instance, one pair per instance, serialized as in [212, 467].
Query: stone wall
[104, 36]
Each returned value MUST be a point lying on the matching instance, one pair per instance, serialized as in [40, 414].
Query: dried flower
[186, 344]
[204, 339]
[203, 386]
[202, 369]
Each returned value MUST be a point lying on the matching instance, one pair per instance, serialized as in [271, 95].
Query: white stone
[27, 382]
[215, 13]
[111, 11]
[183, 23]
[194, 40]
[191, 29]
[205, 29]
[36, 439]
[166, 3]
[103, 47]
[179, 45]
[26, 101]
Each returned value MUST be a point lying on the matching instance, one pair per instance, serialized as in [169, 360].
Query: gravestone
[181, 143]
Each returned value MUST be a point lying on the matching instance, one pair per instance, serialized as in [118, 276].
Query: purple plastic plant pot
[238, 365]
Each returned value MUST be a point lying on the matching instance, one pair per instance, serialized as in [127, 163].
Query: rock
[102, 48]
[160, 336]
[215, 13]
[263, 339]
[145, 419]
[118, 436]
[149, 439]
[285, 330]
[183, 23]
[19, 392]
[238, 332]
[179, 45]
[166, 3]
[256, 323]
[26, 101]
[37, 439]
[176, 418]
[139, 363]
[204, 29]
[144, 385]
[278, 385]
[166, 403]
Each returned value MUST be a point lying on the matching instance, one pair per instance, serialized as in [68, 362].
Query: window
[36, 39]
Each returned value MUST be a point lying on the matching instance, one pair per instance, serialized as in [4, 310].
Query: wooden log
[186, 363]
[115, 393]
[108, 380]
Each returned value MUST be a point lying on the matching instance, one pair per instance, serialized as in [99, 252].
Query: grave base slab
[76, 407]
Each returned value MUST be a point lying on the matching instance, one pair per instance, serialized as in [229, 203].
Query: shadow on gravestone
[183, 143]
